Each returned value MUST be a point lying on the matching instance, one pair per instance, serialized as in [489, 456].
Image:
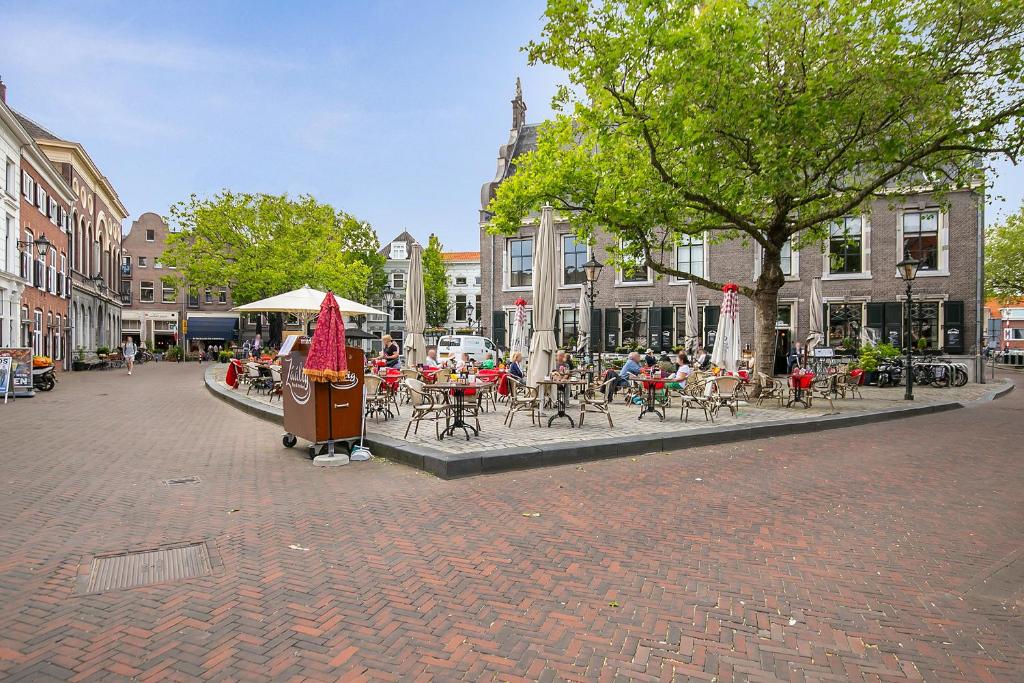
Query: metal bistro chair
[275, 378]
[771, 389]
[254, 378]
[426, 407]
[594, 398]
[826, 388]
[698, 395]
[522, 399]
[728, 389]
[407, 374]
[376, 400]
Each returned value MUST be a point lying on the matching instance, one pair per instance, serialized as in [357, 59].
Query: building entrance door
[782, 341]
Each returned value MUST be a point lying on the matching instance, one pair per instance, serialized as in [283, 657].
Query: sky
[392, 111]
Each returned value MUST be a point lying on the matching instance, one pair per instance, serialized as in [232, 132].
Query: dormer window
[399, 251]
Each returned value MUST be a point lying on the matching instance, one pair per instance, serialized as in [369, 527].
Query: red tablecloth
[801, 381]
[499, 376]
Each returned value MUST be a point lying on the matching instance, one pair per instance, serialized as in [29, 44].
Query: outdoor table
[457, 391]
[798, 387]
[650, 402]
[561, 397]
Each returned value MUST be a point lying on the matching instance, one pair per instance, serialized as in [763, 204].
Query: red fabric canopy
[326, 361]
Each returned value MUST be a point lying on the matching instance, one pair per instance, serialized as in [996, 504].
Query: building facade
[464, 304]
[863, 294]
[95, 241]
[12, 137]
[396, 267]
[155, 304]
[44, 216]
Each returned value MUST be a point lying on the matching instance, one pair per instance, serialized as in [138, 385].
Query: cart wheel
[289, 440]
[312, 451]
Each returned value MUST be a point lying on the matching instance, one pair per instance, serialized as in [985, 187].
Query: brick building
[44, 215]
[95, 240]
[863, 294]
[154, 308]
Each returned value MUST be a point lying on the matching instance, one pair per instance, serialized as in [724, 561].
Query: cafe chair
[276, 385]
[376, 399]
[698, 395]
[594, 398]
[426, 408]
[824, 388]
[728, 391]
[771, 389]
[522, 399]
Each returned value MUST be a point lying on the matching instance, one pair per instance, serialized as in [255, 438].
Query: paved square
[879, 553]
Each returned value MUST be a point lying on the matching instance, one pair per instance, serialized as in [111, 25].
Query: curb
[453, 465]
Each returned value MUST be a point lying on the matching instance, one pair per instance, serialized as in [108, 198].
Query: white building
[463, 268]
[12, 137]
[397, 253]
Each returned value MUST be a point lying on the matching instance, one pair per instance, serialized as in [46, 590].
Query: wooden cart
[324, 413]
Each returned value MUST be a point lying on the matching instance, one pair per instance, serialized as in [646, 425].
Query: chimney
[518, 107]
[3, 91]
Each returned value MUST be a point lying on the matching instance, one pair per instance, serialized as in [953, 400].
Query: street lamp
[388, 297]
[592, 269]
[470, 309]
[908, 271]
[42, 245]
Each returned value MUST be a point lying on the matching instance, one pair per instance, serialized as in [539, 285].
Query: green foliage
[869, 357]
[173, 353]
[887, 351]
[225, 356]
[1004, 259]
[435, 283]
[261, 245]
[764, 121]
[102, 350]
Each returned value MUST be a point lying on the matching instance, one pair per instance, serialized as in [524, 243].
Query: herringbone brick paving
[877, 553]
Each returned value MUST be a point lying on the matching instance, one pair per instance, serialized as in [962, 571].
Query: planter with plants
[868, 362]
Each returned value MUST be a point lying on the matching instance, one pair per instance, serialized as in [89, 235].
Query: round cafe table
[561, 397]
[457, 392]
[650, 402]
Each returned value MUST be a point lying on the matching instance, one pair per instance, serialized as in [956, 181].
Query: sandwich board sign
[19, 377]
[5, 376]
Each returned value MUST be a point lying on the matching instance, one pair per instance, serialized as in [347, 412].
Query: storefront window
[634, 326]
[844, 323]
[924, 324]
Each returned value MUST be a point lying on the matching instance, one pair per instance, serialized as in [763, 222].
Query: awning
[212, 329]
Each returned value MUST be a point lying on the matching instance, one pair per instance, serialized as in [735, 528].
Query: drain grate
[144, 567]
[182, 480]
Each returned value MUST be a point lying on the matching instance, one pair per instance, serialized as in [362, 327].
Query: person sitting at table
[431, 362]
[563, 362]
[488, 362]
[390, 352]
[515, 366]
[680, 375]
[702, 360]
[463, 364]
[631, 367]
[650, 360]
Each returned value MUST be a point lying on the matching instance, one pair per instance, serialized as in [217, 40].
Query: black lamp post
[388, 298]
[908, 271]
[470, 310]
[592, 269]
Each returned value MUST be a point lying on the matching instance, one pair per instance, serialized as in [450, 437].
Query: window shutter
[667, 331]
[654, 329]
[498, 325]
[595, 329]
[710, 327]
[611, 329]
[953, 327]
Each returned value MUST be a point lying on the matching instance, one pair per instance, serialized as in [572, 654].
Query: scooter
[890, 373]
[43, 378]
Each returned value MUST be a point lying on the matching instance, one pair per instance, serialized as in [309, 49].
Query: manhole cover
[182, 480]
[134, 569]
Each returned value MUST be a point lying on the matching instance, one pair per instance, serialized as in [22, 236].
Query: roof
[403, 236]
[33, 128]
[460, 256]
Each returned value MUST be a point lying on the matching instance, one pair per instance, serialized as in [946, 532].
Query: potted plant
[868, 362]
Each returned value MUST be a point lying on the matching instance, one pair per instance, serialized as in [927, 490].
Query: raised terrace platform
[499, 447]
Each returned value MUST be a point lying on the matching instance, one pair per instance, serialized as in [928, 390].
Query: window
[193, 299]
[632, 269]
[37, 333]
[52, 276]
[574, 255]
[398, 310]
[40, 198]
[399, 251]
[924, 324]
[26, 259]
[208, 296]
[398, 280]
[845, 245]
[477, 280]
[146, 292]
[1015, 334]
[222, 296]
[690, 255]
[634, 326]
[460, 308]
[784, 317]
[520, 262]
[921, 237]
[142, 262]
[9, 230]
[569, 327]
[844, 323]
[51, 211]
[169, 293]
[460, 282]
[11, 178]
[62, 278]
[150, 235]
[27, 186]
[786, 258]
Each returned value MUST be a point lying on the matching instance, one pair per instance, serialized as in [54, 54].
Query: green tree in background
[762, 121]
[1004, 259]
[260, 245]
[435, 283]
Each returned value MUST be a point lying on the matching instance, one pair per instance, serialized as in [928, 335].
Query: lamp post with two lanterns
[908, 271]
[592, 269]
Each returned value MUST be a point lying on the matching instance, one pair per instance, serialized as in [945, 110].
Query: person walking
[128, 351]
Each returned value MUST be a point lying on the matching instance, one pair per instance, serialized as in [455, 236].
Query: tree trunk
[765, 313]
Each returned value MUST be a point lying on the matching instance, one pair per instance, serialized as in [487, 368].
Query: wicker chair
[727, 389]
[594, 398]
[376, 399]
[522, 399]
[698, 395]
[426, 407]
[825, 388]
[771, 388]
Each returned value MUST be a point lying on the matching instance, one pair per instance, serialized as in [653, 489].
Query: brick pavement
[871, 554]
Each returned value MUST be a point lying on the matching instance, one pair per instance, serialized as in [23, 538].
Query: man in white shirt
[430, 361]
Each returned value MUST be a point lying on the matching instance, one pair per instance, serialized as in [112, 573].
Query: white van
[453, 346]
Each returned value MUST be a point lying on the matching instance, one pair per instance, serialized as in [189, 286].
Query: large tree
[261, 245]
[1004, 259]
[435, 283]
[764, 121]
